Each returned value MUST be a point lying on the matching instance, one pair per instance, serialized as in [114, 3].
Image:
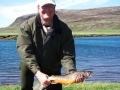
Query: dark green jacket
[46, 52]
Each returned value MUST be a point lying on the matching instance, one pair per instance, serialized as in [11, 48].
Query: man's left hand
[79, 79]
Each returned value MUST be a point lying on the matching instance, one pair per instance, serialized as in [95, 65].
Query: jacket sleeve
[25, 47]
[68, 51]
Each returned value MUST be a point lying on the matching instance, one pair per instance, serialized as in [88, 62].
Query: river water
[98, 54]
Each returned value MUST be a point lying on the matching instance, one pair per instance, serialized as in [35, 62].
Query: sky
[11, 9]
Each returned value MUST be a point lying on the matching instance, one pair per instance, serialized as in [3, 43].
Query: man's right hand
[43, 79]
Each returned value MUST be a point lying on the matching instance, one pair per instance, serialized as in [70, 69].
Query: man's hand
[79, 79]
[43, 79]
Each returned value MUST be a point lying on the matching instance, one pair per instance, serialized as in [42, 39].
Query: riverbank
[77, 86]
[14, 36]
[8, 36]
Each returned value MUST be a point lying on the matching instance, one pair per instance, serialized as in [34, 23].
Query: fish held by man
[69, 78]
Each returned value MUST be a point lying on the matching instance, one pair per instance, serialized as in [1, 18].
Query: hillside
[80, 20]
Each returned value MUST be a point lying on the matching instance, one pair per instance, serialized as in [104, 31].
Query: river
[98, 54]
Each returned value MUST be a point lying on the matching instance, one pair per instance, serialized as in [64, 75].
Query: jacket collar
[57, 29]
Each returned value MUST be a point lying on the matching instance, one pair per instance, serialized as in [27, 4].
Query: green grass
[77, 86]
[10, 87]
[77, 33]
[6, 34]
[96, 33]
[94, 86]
[9, 29]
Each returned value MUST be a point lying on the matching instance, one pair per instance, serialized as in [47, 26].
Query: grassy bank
[94, 86]
[91, 33]
[96, 33]
[8, 36]
[79, 86]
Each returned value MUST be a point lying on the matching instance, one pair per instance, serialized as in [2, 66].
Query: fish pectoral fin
[53, 82]
[67, 85]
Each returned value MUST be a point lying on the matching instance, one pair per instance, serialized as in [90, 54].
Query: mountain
[85, 19]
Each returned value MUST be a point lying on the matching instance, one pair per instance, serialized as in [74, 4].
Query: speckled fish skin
[65, 79]
[69, 78]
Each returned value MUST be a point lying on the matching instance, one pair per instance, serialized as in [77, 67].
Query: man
[45, 44]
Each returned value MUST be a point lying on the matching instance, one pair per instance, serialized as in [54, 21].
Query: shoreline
[14, 37]
[8, 37]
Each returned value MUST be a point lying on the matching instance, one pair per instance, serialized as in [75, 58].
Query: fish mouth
[88, 74]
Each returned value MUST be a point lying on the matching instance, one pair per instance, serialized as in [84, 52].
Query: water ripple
[98, 54]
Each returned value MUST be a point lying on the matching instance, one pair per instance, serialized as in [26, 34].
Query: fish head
[87, 74]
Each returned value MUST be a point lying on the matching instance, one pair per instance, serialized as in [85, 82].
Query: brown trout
[69, 78]
[65, 79]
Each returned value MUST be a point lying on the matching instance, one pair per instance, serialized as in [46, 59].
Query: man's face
[47, 11]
